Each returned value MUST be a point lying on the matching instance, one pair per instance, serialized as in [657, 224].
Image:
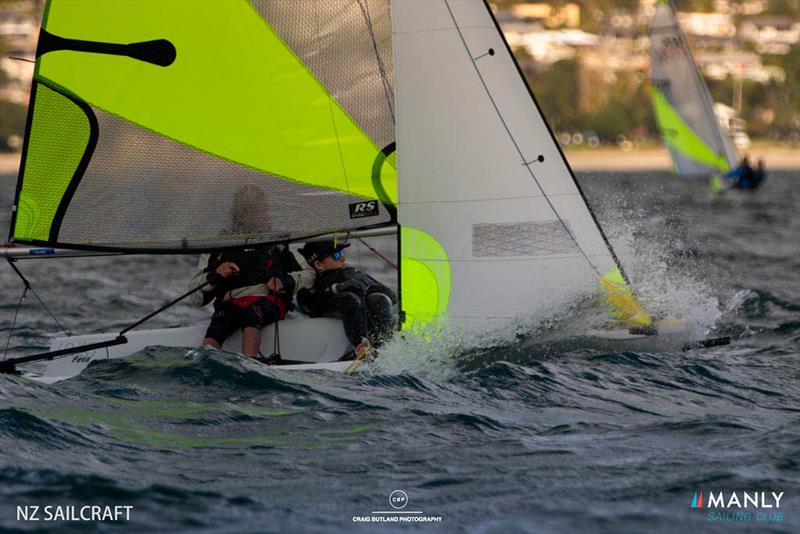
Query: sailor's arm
[212, 274]
[293, 281]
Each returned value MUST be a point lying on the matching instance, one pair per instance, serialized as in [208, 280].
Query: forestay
[682, 103]
[494, 224]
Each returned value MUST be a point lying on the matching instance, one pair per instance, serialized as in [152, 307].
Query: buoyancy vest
[256, 266]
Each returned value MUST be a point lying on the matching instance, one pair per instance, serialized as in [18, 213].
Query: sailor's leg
[254, 318]
[224, 322]
[251, 341]
[211, 342]
[350, 309]
[380, 319]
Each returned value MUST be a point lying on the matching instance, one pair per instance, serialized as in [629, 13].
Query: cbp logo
[396, 512]
[398, 499]
[367, 208]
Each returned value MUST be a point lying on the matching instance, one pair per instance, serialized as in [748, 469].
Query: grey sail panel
[347, 45]
[122, 198]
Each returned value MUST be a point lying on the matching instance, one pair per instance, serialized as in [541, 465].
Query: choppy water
[530, 438]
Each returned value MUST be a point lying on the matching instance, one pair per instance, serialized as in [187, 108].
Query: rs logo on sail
[368, 208]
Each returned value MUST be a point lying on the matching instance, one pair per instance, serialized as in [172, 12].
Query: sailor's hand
[275, 284]
[227, 269]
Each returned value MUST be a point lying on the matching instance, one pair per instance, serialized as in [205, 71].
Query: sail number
[671, 48]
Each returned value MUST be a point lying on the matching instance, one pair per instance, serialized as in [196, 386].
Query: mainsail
[494, 224]
[147, 118]
[682, 103]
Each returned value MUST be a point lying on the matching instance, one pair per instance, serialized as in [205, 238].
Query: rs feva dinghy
[142, 128]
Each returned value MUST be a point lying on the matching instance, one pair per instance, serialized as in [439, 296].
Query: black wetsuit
[362, 303]
[256, 266]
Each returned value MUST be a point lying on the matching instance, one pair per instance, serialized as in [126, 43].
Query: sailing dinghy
[142, 128]
[697, 143]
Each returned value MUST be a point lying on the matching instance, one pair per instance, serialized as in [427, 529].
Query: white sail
[682, 103]
[494, 224]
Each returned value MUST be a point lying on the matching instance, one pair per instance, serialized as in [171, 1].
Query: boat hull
[317, 342]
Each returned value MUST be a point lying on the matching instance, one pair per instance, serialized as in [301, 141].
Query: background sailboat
[133, 148]
[697, 143]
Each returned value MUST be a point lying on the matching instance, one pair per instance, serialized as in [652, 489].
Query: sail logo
[744, 506]
[367, 208]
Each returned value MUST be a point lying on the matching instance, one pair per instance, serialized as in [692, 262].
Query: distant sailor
[745, 177]
[251, 287]
[362, 303]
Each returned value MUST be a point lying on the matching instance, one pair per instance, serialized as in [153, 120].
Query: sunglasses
[337, 255]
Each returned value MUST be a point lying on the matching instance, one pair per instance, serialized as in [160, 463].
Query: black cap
[317, 250]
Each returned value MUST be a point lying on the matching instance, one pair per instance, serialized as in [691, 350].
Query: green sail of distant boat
[682, 103]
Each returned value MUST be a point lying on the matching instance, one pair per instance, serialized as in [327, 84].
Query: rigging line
[276, 342]
[333, 123]
[381, 67]
[386, 260]
[339, 148]
[35, 294]
[514, 141]
[14, 322]
[181, 297]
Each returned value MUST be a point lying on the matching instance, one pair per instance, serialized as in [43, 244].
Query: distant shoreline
[601, 159]
[657, 159]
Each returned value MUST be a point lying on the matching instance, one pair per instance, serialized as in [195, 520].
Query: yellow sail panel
[59, 135]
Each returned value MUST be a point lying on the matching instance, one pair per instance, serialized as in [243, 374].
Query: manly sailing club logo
[367, 208]
[743, 506]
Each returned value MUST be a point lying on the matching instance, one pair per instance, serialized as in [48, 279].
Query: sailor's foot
[362, 351]
[272, 359]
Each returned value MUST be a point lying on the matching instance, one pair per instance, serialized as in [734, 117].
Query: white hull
[320, 342]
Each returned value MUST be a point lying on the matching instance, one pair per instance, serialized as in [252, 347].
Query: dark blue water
[533, 437]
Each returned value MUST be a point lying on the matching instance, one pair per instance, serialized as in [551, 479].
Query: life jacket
[256, 266]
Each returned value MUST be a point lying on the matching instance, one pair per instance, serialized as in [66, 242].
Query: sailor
[362, 303]
[744, 177]
[250, 287]
[759, 175]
